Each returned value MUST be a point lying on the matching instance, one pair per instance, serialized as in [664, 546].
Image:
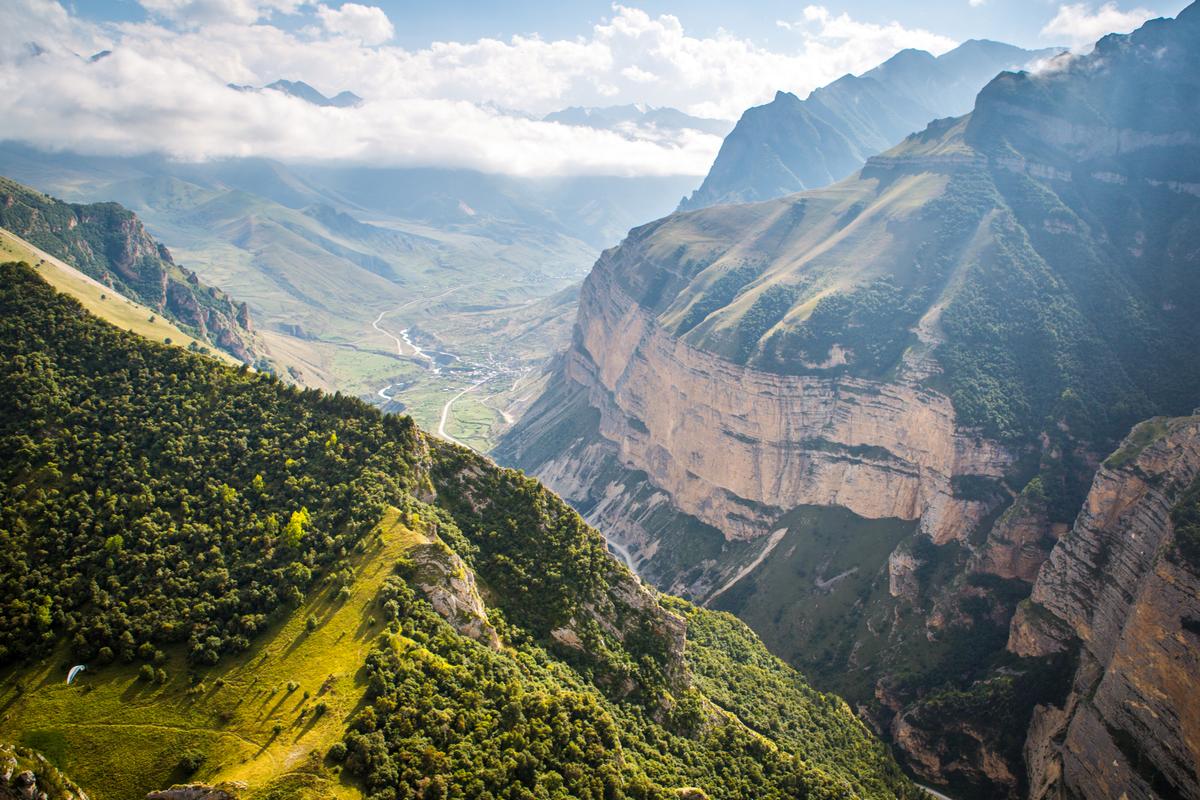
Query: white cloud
[976, 3]
[200, 12]
[1080, 26]
[367, 24]
[164, 88]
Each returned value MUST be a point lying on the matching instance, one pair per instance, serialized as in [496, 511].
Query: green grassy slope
[230, 715]
[234, 560]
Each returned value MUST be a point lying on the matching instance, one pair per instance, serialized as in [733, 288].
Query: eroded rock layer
[734, 446]
[1120, 589]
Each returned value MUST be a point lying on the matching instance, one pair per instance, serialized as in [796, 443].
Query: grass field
[99, 299]
[255, 717]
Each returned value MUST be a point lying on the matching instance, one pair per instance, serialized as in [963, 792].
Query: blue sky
[419, 22]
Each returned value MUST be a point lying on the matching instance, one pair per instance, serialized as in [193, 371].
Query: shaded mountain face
[790, 144]
[614, 117]
[108, 242]
[302, 593]
[860, 417]
[1121, 595]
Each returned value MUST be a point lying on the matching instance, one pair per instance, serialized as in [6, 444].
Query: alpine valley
[870, 472]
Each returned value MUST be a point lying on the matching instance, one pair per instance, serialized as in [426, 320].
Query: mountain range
[790, 144]
[865, 418]
[916, 428]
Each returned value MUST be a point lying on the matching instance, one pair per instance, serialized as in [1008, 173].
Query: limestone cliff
[733, 447]
[1120, 590]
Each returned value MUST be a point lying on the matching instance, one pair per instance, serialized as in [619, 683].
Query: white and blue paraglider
[75, 670]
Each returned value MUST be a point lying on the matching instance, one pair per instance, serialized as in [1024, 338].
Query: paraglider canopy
[75, 670]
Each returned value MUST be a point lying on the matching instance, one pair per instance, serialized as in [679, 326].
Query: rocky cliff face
[450, 586]
[734, 447]
[1119, 591]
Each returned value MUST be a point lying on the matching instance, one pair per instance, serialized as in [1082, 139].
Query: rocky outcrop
[1020, 541]
[449, 585]
[219, 320]
[958, 752]
[200, 791]
[27, 775]
[1117, 591]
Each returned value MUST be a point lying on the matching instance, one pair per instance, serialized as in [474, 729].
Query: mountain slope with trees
[108, 243]
[199, 536]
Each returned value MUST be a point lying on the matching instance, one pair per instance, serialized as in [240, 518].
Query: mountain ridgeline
[863, 417]
[108, 243]
[790, 144]
[284, 593]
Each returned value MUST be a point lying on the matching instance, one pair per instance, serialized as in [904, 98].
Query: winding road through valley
[403, 339]
[406, 348]
[441, 428]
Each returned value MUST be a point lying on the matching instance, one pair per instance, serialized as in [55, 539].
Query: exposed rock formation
[1020, 541]
[1118, 586]
[199, 791]
[735, 447]
[449, 585]
[27, 775]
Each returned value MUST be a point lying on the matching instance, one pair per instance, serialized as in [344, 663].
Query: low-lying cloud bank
[165, 86]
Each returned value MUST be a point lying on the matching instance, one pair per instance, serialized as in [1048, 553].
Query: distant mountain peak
[303, 91]
[911, 54]
[790, 144]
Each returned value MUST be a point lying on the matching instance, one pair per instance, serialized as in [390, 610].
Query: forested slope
[199, 536]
